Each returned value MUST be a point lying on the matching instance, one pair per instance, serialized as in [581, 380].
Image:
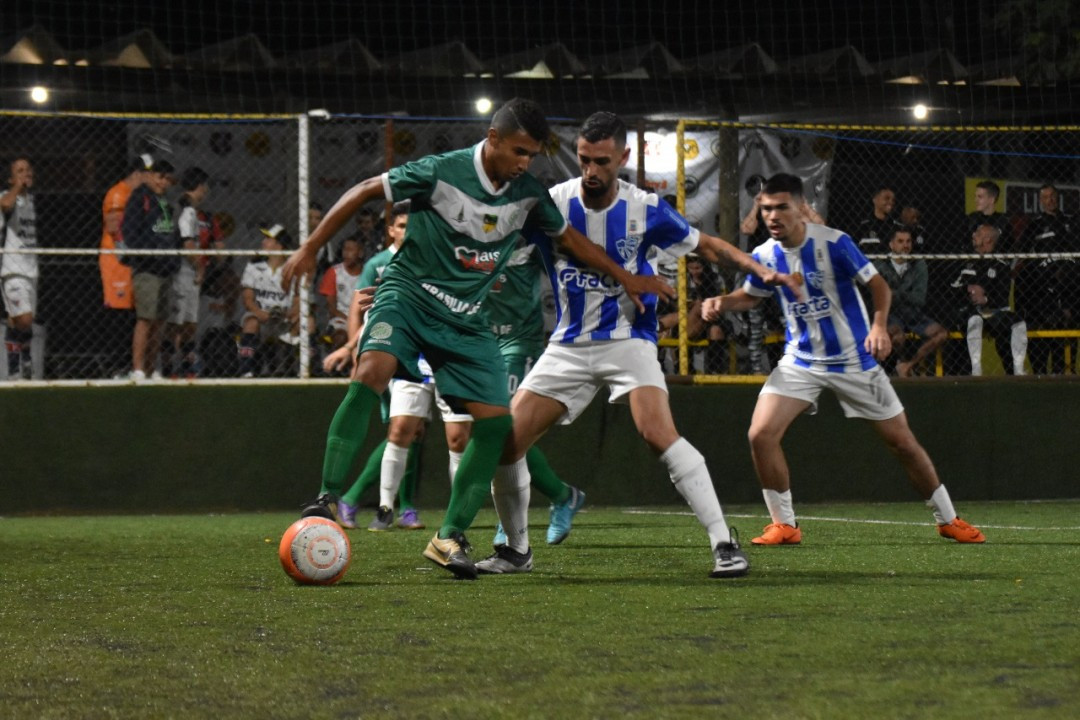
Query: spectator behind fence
[983, 286]
[195, 229]
[874, 232]
[907, 277]
[1044, 287]
[269, 310]
[149, 224]
[911, 218]
[119, 300]
[338, 285]
[219, 298]
[986, 197]
[19, 271]
[702, 281]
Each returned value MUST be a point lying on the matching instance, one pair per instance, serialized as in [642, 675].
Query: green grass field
[873, 616]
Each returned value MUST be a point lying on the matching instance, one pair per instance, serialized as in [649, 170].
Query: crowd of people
[171, 316]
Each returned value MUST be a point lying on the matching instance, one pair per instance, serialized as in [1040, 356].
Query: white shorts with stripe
[416, 400]
[572, 374]
[866, 394]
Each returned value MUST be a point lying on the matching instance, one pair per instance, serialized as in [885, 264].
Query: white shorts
[867, 394]
[20, 295]
[415, 400]
[572, 374]
[183, 301]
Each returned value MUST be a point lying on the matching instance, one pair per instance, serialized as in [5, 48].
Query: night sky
[785, 29]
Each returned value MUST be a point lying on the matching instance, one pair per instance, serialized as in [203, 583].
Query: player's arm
[749, 224]
[7, 200]
[737, 301]
[718, 250]
[586, 251]
[302, 261]
[877, 341]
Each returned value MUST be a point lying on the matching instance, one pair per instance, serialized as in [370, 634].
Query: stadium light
[920, 111]
[39, 94]
[483, 105]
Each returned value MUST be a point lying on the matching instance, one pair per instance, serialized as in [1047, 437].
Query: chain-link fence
[1002, 300]
[77, 322]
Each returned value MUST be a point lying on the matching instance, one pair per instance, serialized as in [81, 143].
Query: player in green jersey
[468, 209]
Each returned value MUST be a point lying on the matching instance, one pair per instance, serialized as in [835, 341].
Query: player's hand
[342, 358]
[300, 263]
[711, 308]
[878, 343]
[365, 298]
[637, 285]
[793, 282]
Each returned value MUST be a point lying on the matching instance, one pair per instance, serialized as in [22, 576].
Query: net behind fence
[263, 172]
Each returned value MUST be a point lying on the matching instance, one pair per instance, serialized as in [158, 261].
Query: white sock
[394, 461]
[780, 508]
[686, 466]
[455, 460]
[941, 504]
[510, 490]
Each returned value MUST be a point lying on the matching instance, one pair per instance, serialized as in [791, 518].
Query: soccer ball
[315, 551]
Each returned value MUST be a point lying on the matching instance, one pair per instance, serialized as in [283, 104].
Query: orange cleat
[779, 534]
[960, 531]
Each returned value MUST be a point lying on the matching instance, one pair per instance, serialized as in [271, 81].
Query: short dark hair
[521, 114]
[400, 208]
[1049, 186]
[990, 186]
[315, 205]
[882, 188]
[192, 178]
[603, 125]
[900, 229]
[783, 183]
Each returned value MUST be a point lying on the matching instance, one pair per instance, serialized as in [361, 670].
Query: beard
[595, 191]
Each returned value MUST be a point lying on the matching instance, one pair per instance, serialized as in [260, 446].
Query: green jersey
[513, 306]
[375, 267]
[461, 233]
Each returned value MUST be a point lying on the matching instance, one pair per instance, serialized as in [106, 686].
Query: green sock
[346, 436]
[472, 483]
[544, 478]
[368, 476]
[407, 489]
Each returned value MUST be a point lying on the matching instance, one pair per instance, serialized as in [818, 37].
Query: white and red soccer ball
[315, 551]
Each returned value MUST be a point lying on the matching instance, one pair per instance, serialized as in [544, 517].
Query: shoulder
[565, 190]
[826, 233]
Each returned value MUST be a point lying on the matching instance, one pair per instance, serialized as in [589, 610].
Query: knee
[761, 437]
[658, 439]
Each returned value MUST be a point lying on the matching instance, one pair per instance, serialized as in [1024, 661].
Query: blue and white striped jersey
[591, 306]
[827, 329]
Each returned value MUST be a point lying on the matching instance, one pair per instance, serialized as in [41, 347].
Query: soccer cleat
[384, 520]
[324, 506]
[500, 537]
[452, 553]
[562, 516]
[961, 531]
[730, 559]
[346, 514]
[506, 560]
[410, 520]
[779, 534]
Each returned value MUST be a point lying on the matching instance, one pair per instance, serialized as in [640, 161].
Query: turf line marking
[863, 521]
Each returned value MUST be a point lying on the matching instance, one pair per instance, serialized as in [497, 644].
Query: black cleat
[324, 506]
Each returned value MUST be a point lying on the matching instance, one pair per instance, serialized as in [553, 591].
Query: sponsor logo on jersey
[456, 305]
[381, 331]
[815, 307]
[490, 221]
[476, 260]
[589, 281]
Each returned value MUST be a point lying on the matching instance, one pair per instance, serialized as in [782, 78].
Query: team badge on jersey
[490, 221]
[628, 245]
[381, 331]
[816, 278]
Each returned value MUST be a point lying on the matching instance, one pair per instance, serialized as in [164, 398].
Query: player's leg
[773, 415]
[403, 432]
[410, 518]
[348, 428]
[923, 476]
[689, 474]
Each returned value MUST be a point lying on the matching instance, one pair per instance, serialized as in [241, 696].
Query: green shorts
[467, 365]
[518, 366]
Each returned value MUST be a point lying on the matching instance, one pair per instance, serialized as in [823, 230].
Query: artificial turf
[191, 616]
